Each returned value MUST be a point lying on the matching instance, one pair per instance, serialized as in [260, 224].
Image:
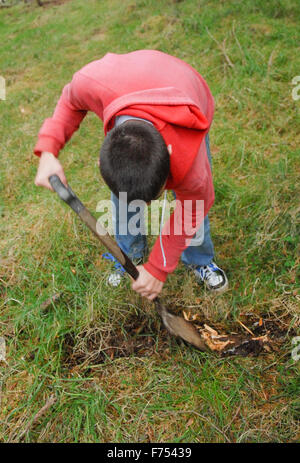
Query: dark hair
[134, 158]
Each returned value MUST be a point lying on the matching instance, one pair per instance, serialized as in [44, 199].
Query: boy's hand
[49, 165]
[146, 284]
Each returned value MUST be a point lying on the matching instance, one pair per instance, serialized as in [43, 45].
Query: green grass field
[152, 388]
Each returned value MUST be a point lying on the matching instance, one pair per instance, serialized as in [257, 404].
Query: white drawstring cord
[160, 231]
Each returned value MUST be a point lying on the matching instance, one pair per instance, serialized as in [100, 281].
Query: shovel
[176, 326]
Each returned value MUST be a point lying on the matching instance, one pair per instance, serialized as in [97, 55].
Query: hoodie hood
[181, 126]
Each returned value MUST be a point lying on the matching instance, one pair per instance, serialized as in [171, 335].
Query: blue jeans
[136, 246]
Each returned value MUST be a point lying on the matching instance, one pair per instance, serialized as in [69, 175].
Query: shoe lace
[117, 264]
[208, 270]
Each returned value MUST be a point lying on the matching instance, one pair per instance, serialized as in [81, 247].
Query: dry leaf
[267, 348]
[190, 422]
[211, 330]
[48, 302]
[213, 343]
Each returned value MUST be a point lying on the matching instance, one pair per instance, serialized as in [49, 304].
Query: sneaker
[115, 277]
[212, 276]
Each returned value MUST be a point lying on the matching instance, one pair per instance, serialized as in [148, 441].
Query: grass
[162, 390]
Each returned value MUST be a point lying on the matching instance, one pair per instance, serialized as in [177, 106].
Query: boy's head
[134, 159]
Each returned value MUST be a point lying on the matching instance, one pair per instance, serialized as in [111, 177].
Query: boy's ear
[169, 149]
[98, 162]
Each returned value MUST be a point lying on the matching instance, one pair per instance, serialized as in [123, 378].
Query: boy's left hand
[146, 284]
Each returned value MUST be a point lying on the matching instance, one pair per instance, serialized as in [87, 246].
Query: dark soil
[46, 3]
[143, 336]
[273, 328]
[140, 336]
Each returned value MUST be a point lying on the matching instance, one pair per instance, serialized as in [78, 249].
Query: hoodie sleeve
[69, 112]
[176, 236]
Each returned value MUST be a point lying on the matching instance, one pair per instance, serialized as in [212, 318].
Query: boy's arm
[76, 99]
[58, 129]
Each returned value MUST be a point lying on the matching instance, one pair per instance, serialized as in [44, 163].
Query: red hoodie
[164, 90]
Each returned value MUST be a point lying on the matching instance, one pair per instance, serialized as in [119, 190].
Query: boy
[156, 111]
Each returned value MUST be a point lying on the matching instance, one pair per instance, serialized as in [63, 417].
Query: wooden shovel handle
[69, 197]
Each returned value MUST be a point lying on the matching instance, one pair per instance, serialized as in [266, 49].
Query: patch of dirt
[279, 330]
[268, 334]
[46, 3]
[140, 336]
[143, 336]
[245, 348]
[249, 335]
[53, 2]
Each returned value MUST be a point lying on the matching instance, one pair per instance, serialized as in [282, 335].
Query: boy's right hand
[49, 165]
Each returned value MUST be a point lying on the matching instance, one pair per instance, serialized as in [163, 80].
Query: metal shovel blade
[178, 326]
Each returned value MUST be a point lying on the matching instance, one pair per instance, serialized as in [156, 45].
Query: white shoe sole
[220, 290]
